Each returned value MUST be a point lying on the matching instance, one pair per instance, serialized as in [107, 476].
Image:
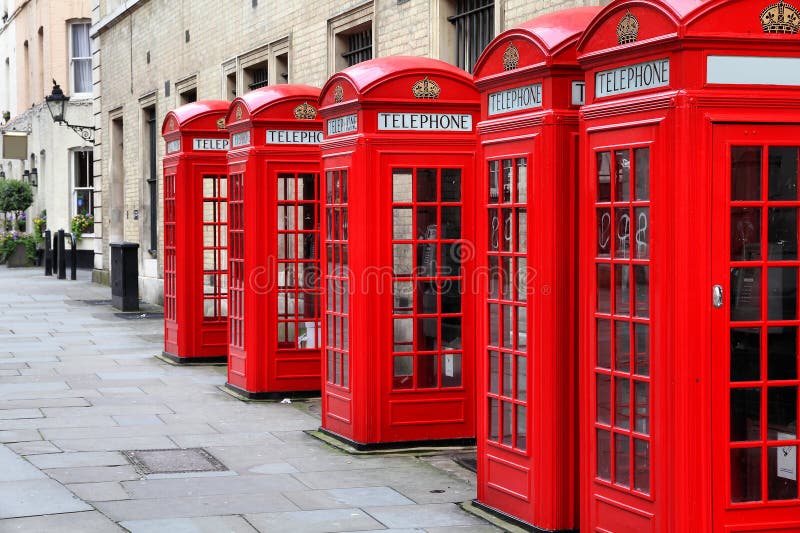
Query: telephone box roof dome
[192, 116]
[259, 99]
[554, 29]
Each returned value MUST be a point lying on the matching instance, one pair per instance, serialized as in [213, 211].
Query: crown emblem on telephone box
[305, 112]
[426, 88]
[780, 18]
[338, 93]
[510, 57]
[221, 124]
[627, 29]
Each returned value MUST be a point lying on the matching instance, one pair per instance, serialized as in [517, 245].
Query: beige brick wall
[220, 36]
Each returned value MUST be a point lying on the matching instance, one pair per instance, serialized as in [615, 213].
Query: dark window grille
[474, 22]
[259, 78]
[359, 47]
[152, 180]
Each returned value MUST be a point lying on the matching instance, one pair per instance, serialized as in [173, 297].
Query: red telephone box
[399, 229]
[195, 233]
[274, 166]
[689, 261]
[531, 87]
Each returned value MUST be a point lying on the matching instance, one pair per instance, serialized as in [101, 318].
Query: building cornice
[108, 21]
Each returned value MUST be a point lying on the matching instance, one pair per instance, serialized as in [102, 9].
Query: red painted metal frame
[189, 336]
[537, 481]
[684, 127]
[359, 403]
[259, 365]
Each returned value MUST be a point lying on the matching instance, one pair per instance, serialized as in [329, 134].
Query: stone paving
[79, 385]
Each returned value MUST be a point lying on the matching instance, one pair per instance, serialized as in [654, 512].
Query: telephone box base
[506, 521]
[241, 394]
[178, 360]
[352, 446]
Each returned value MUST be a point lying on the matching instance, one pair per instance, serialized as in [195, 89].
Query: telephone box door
[755, 336]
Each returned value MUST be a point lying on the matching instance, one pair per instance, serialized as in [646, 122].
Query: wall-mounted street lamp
[2, 175]
[56, 103]
[34, 177]
[26, 176]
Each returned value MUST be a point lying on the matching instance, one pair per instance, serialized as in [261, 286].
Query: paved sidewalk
[78, 385]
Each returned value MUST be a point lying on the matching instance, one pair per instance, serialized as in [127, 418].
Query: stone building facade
[153, 55]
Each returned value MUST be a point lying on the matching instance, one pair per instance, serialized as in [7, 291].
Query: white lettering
[632, 78]
[424, 122]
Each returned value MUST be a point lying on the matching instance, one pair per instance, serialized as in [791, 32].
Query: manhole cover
[139, 316]
[173, 461]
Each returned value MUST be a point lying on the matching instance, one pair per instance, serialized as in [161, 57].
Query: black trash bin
[125, 276]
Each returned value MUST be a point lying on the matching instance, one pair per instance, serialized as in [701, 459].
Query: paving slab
[33, 447]
[103, 491]
[12, 414]
[328, 521]
[37, 497]
[343, 498]
[15, 468]
[185, 487]
[205, 524]
[92, 474]
[432, 515]
[85, 522]
[110, 444]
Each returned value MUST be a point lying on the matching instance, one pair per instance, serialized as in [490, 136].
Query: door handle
[716, 296]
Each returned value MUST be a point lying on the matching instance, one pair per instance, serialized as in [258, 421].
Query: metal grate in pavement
[173, 461]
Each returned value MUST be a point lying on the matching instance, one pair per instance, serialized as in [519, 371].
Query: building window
[256, 76]
[82, 182]
[350, 38]
[150, 168]
[187, 90]
[474, 29]
[80, 58]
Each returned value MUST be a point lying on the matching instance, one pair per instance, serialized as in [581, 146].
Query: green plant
[9, 242]
[15, 197]
[80, 224]
[39, 226]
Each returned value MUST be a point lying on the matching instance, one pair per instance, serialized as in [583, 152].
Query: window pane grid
[622, 388]
[507, 302]
[215, 247]
[236, 258]
[763, 388]
[170, 224]
[337, 280]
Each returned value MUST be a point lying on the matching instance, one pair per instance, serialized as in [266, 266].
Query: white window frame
[340, 26]
[73, 92]
[73, 177]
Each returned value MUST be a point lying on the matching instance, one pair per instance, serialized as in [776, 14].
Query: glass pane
[451, 333]
[494, 174]
[285, 217]
[782, 413]
[782, 173]
[641, 465]
[329, 375]
[507, 180]
[494, 324]
[522, 279]
[642, 346]
[745, 233]
[402, 228]
[494, 419]
[745, 354]
[604, 177]
[508, 279]
[782, 472]
[782, 233]
[642, 162]
[508, 375]
[345, 369]
[508, 326]
[507, 234]
[403, 372]
[403, 335]
[622, 291]
[522, 378]
[429, 340]
[451, 296]
[622, 455]
[494, 278]
[642, 287]
[522, 329]
[403, 259]
[603, 398]
[603, 233]
[782, 349]
[622, 226]
[494, 230]
[403, 297]
[641, 399]
[745, 414]
[642, 236]
[508, 423]
[521, 230]
[522, 428]
[622, 403]
[745, 294]
[427, 371]
[745, 173]
[451, 370]
[426, 185]
[451, 185]
[604, 455]
[782, 295]
[622, 359]
[426, 298]
[603, 343]
[451, 222]
[426, 223]
[522, 180]
[622, 160]
[745, 475]
[494, 372]
[603, 288]
[329, 186]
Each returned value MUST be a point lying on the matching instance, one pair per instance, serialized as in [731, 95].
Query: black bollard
[48, 254]
[62, 260]
[73, 257]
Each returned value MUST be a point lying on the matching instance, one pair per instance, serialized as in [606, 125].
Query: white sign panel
[345, 124]
[747, 70]
[204, 145]
[424, 121]
[632, 78]
[578, 92]
[240, 139]
[787, 458]
[516, 99]
[294, 137]
[173, 146]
